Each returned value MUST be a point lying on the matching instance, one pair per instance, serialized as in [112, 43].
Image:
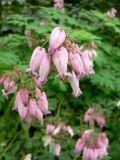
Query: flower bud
[75, 85]
[42, 103]
[9, 86]
[36, 60]
[77, 64]
[57, 38]
[60, 59]
[21, 102]
[47, 140]
[70, 131]
[44, 69]
[50, 128]
[57, 149]
[79, 146]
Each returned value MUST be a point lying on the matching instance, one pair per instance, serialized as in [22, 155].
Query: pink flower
[47, 141]
[86, 134]
[42, 102]
[93, 145]
[76, 48]
[22, 102]
[3, 78]
[9, 86]
[89, 153]
[28, 118]
[112, 13]
[39, 115]
[59, 4]
[100, 121]
[36, 59]
[70, 131]
[77, 64]
[89, 115]
[91, 53]
[44, 68]
[32, 107]
[75, 85]
[103, 145]
[57, 149]
[57, 38]
[79, 146]
[60, 59]
[50, 128]
[87, 63]
[57, 130]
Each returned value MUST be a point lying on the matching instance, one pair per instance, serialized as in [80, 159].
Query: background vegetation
[84, 21]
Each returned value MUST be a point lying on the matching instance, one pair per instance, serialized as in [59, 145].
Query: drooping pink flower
[28, 118]
[44, 68]
[70, 131]
[77, 64]
[75, 85]
[57, 38]
[87, 63]
[47, 141]
[90, 153]
[39, 115]
[79, 146]
[22, 102]
[103, 145]
[9, 86]
[91, 53]
[60, 59]
[112, 13]
[3, 78]
[50, 128]
[100, 121]
[42, 102]
[57, 130]
[93, 145]
[57, 149]
[32, 107]
[36, 59]
[88, 117]
[59, 4]
[76, 48]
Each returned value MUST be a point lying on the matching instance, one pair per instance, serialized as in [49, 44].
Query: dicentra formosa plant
[72, 62]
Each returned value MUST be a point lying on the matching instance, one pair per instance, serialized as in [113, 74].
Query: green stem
[5, 150]
[58, 111]
[10, 104]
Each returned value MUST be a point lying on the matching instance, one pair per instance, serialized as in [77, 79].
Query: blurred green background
[84, 21]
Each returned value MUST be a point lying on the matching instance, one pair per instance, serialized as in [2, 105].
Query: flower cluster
[54, 135]
[93, 145]
[62, 53]
[9, 85]
[112, 13]
[93, 115]
[30, 108]
[71, 61]
[59, 4]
